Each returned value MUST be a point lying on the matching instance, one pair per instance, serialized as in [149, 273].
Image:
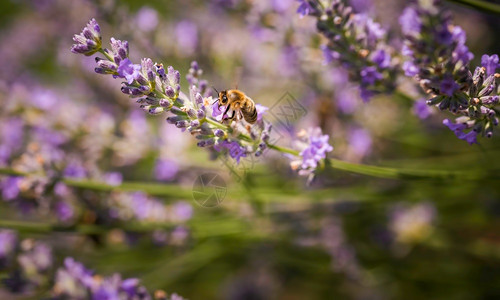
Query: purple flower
[8, 241]
[182, 211]
[304, 8]
[329, 55]
[10, 188]
[73, 281]
[261, 110]
[89, 40]
[107, 289]
[166, 169]
[410, 68]
[360, 141]
[64, 211]
[365, 94]
[11, 133]
[217, 110]
[146, 18]
[421, 109]
[347, 101]
[470, 137]
[369, 75]
[361, 5]
[459, 35]
[49, 136]
[382, 58]
[113, 178]
[75, 170]
[187, 36]
[458, 129]
[37, 258]
[462, 54]
[137, 206]
[490, 63]
[454, 126]
[281, 6]
[120, 49]
[128, 70]
[235, 150]
[374, 30]
[448, 86]
[443, 35]
[315, 150]
[130, 286]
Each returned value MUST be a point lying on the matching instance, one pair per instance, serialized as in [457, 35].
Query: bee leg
[225, 111]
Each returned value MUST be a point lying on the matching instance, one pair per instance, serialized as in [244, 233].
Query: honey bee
[238, 105]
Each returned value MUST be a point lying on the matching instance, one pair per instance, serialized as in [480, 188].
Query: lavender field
[249, 149]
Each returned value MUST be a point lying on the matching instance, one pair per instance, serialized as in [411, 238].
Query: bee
[238, 105]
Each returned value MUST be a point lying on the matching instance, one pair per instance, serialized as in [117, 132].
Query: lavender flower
[421, 109]
[187, 37]
[36, 258]
[357, 43]
[439, 59]
[128, 70]
[32, 264]
[360, 142]
[306, 7]
[147, 18]
[314, 147]
[113, 178]
[437, 54]
[458, 128]
[158, 91]
[74, 281]
[490, 63]
[166, 169]
[10, 188]
[89, 40]
[8, 241]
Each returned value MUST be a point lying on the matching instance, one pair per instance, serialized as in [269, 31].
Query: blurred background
[273, 236]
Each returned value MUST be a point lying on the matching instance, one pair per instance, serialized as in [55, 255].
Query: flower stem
[393, 173]
[480, 4]
[106, 54]
[216, 124]
[283, 149]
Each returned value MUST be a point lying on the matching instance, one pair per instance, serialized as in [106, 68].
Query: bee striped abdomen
[250, 115]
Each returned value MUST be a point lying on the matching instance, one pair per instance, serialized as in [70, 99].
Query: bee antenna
[215, 90]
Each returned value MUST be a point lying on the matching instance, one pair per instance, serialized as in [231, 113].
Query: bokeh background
[344, 236]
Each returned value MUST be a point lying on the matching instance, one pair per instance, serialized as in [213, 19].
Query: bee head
[223, 97]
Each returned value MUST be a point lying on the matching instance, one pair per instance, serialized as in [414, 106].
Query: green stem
[481, 5]
[393, 173]
[283, 149]
[227, 129]
[216, 124]
[154, 189]
[106, 54]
